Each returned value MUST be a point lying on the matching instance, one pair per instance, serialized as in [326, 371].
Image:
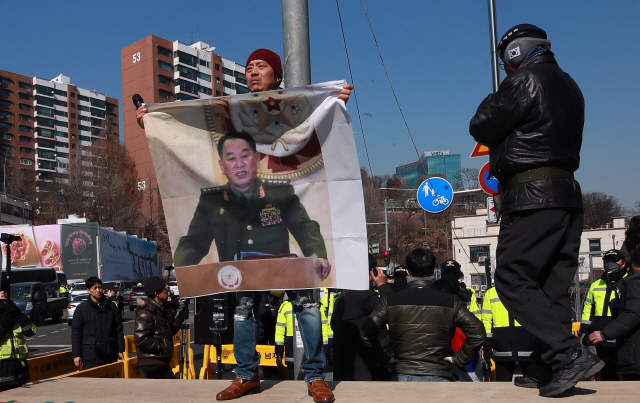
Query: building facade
[432, 163]
[475, 240]
[163, 71]
[15, 211]
[42, 121]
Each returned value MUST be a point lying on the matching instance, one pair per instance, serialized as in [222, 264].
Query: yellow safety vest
[19, 349]
[595, 301]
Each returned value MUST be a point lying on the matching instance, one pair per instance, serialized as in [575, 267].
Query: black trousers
[537, 259]
[505, 369]
[157, 371]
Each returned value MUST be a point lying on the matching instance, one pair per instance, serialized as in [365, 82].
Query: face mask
[612, 267]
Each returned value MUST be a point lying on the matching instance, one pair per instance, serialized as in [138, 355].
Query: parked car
[71, 307]
[79, 289]
[173, 286]
[121, 287]
[136, 291]
[38, 302]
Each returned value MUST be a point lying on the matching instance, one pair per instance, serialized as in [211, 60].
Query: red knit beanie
[268, 56]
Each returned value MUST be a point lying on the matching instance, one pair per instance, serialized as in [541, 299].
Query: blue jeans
[246, 333]
[418, 378]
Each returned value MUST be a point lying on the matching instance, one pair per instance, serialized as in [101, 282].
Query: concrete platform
[101, 390]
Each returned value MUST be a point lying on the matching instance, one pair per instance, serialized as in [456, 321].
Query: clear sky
[437, 54]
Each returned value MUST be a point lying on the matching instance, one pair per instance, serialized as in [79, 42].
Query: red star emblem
[272, 104]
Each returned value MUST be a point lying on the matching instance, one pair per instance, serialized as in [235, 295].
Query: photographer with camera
[155, 328]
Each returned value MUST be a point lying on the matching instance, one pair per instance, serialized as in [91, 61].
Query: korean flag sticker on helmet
[515, 52]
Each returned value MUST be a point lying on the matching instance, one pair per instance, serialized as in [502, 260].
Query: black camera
[9, 238]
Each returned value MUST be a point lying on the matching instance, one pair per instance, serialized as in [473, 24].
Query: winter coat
[96, 332]
[422, 322]
[625, 329]
[153, 333]
[534, 120]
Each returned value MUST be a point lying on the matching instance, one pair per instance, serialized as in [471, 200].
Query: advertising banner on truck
[40, 246]
[79, 249]
[124, 257]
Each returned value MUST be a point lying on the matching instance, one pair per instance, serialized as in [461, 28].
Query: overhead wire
[397, 103]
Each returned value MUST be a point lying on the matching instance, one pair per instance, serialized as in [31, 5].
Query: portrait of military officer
[248, 216]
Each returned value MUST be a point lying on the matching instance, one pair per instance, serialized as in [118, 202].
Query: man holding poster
[250, 216]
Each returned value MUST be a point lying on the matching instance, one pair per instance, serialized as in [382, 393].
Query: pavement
[100, 390]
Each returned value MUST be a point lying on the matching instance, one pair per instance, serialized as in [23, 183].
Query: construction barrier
[267, 358]
[50, 365]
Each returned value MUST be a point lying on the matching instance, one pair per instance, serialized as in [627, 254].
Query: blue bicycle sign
[435, 195]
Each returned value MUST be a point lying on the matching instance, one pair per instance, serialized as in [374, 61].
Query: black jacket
[96, 332]
[534, 120]
[153, 333]
[422, 322]
[352, 360]
[625, 329]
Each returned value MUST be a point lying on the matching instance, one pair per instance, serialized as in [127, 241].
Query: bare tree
[599, 208]
[470, 178]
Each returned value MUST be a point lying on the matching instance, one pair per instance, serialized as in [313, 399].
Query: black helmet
[518, 41]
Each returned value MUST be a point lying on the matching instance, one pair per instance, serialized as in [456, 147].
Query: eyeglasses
[501, 64]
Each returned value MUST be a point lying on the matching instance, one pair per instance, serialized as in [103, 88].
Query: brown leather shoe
[239, 388]
[320, 391]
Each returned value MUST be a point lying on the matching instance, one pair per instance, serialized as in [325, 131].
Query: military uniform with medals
[259, 223]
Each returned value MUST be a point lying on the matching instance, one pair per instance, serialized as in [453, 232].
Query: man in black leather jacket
[533, 128]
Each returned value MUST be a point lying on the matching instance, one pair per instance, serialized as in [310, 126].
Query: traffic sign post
[435, 195]
[491, 211]
[488, 183]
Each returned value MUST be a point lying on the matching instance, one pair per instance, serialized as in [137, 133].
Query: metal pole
[297, 72]
[426, 243]
[386, 227]
[295, 40]
[493, 35]
[578, 304]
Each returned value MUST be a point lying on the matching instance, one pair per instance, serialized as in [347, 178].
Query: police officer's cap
[519, 31]
[613, 254]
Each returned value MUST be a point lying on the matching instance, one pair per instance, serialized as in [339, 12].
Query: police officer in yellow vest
[284, 338]
[507, 342]
[14, 325]
[600, 308]
[327, 299]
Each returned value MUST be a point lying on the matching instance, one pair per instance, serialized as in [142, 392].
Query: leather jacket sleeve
[474, 331]
[500, 113]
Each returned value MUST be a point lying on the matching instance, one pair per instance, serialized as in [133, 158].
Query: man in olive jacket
[422, 322]
[97, 336]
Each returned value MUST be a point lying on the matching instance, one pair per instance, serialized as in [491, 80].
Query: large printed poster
[298, 196]
[40, 246]
[123, 257]
[79, 249]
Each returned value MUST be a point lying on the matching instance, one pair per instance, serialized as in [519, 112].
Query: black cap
[613, 254]
[153, 284]
[519, 31]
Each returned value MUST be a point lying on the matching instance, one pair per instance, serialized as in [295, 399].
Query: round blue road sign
[435, 195]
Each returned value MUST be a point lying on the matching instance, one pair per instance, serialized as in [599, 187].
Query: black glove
[487, 355]
[279, 362]
[183, 313]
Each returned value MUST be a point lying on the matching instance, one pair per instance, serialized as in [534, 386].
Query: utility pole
[493, 35]
[295, 40]
[297, 72]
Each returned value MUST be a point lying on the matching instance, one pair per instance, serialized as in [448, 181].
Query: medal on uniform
[226, 196]
[270, 216]
[221, 210]
[261, 192]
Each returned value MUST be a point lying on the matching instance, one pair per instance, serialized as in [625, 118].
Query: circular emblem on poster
[229, 277]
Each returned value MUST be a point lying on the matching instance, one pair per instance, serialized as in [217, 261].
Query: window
[113, 116]
[73, 115]
[44, 111]
[164, 94]
[6, 104]
[110, 106]
[25, 150]
[217, 67]
[84, 108]
[97, 112]
[98, 103]
[44, 101]
[73, 105]
[47, 164]
[24, 107]
[83, 98]
[26, 161]
[5, 115]
[187, 72]
[5, 81]
[25, 128]
[218, 93]
[25, 139]
[61, 123]
[185, 97]
[96, 131]
[46, 154]
[5, 125]
[45, 133]
[227, 84]
[73, 95]
[5, 147]
[205, 90]
[27, 214]
[85, 128]
[60, 103]
[41, 89]
[61, 93]
[164, 79]
[21, 95]
[164, 65]
[46, 143]
[227, 71]
[189, 87]
[594, 245]
[164, 51]
[25, 118]
[73, 125]
[187, 59]
[61, 113]
[96, 122]
[217, 80]
[84, 138]
[240, 89]
[24, 86]
[6, 136]
[4, 92]
[205, 77]
[478, 279]
[61, 134]
[475, 250]
[85, 118]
